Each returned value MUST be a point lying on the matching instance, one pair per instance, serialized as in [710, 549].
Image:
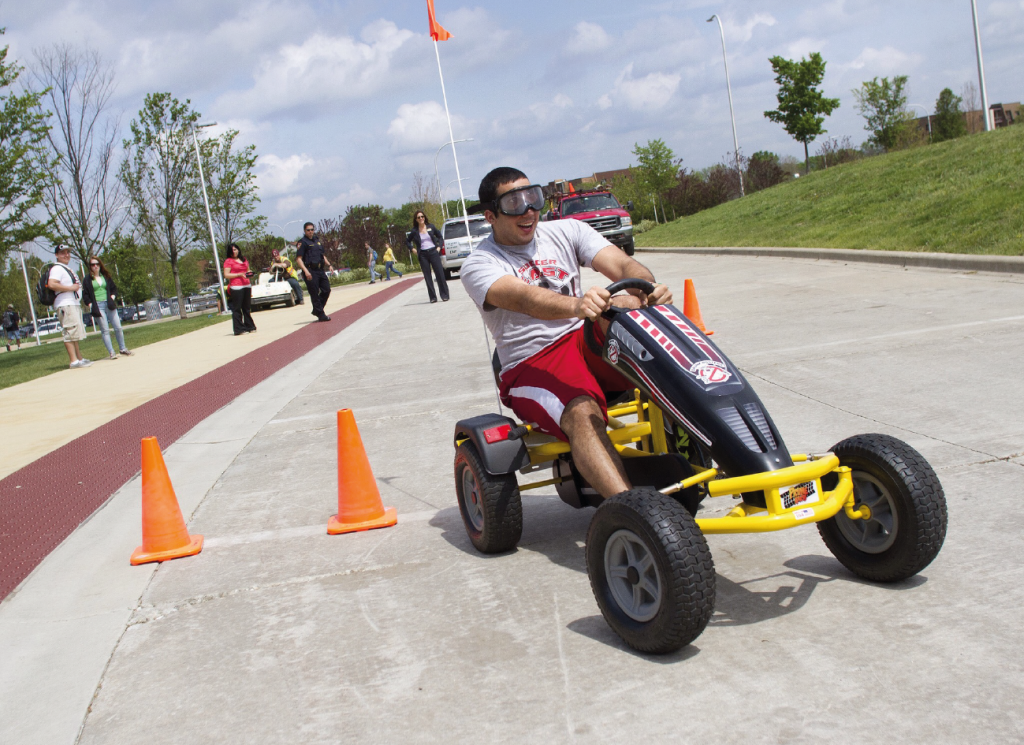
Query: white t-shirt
[552, 260]
[65, 277]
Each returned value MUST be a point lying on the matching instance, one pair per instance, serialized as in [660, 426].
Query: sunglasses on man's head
[516, 202]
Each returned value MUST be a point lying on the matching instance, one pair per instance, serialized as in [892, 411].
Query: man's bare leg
[73, 353]
[592, 451]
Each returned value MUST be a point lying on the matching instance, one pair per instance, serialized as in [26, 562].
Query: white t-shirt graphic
[552, 260]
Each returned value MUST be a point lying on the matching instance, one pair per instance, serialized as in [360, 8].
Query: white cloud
[745, 31]
[885, 61]
[290, 205]
[649, 93]
[587, 38]
[604, 102]
[321, 70]
[422, 127]
[276, 175]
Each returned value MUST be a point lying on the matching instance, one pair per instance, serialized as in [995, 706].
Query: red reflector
[497, 434]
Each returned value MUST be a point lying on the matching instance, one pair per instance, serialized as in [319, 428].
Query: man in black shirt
[312, 260]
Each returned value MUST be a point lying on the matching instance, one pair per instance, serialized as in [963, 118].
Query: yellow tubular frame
[649, 431]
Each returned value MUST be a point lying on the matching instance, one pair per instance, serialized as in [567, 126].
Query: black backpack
[44, 294]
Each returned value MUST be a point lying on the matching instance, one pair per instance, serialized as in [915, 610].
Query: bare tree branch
[84, 200]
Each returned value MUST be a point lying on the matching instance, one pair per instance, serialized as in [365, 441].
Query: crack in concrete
[145, 614]
[994, 459]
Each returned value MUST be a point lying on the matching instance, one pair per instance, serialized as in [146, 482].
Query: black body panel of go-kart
[498, 457]
[666, 355]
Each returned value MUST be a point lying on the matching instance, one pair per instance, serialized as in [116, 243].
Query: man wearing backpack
[68, 304]
[10, 322]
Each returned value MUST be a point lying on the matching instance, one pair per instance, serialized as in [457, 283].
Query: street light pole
[981, 66]
[926, 114]
[28, 291]
[209, 217]
[732, 113]
[437, 179]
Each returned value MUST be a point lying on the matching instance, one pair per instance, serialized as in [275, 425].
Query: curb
[954, 262]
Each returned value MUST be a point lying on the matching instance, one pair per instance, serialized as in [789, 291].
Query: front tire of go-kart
[651, 571]
[908, 510]
[491, 507]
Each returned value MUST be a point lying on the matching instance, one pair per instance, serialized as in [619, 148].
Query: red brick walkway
[42, 503]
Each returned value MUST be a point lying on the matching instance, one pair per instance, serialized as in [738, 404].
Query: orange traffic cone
[359, 503]
[691, 309]
[164, 535]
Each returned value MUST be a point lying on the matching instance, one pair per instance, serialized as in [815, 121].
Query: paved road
[277, 632]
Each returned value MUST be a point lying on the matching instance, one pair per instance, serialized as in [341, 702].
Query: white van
[456, 245]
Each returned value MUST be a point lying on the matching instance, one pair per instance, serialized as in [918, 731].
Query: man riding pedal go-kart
[575, 366]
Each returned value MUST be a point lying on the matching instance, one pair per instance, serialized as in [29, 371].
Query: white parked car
[456, 245]
[269, 290]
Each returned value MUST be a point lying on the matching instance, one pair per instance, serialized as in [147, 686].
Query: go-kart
[694, 429]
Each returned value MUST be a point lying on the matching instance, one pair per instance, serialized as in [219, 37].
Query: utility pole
[981, 67]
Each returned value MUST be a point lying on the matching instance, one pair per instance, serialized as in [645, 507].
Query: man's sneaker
[324, 318]
[80, 363]
[85, 362]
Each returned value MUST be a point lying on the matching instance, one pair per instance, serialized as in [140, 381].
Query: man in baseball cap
[282, 265]
[68, 304]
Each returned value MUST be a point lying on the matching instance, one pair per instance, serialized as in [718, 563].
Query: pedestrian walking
[11, 321]
[425, 240]
[283, 265]
[371, 259]
[68, 305]
[389, 262]
[236, 271]
[312, 261]
[99, 293]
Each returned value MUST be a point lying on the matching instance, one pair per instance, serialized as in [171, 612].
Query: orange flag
[437, 31]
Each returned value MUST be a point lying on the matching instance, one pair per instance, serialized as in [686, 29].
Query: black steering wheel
[615, 287]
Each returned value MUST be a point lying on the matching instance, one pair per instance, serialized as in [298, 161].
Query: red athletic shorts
[539, 388]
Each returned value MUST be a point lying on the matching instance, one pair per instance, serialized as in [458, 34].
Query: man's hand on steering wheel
[594, 302]
[662, 295]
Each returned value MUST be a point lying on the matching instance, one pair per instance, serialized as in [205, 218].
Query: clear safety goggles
[516, 202]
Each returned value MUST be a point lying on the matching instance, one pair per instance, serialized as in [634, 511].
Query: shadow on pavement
[828, 566]
[596, 628]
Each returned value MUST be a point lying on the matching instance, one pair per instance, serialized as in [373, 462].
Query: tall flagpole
[451, 138]
[462, 196]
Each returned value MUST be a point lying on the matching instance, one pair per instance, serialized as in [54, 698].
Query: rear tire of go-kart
[491, 507]
[289, 302]
[908, 522]
[651, 571]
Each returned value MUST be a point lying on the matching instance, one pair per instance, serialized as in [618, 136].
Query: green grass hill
[961, 196]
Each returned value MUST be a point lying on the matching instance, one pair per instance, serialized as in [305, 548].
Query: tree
[83, 199]
[763, 171]
[362, 225]
[231, 189]
[883, 104]
[24, 165]
[657, 169]
[159, 173]
[131, 265]
[802, 107]
[948, 123]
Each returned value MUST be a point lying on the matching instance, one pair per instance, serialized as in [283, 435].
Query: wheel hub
[632, 575]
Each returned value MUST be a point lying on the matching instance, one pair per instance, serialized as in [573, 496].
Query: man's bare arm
[615, 265]
[513, 294]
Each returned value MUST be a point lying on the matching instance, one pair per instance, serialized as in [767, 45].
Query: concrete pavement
[280, 633]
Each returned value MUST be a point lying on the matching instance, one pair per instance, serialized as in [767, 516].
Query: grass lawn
[31, 362]
[962, 196]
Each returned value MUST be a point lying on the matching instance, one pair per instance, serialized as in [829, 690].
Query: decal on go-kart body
[711, 370]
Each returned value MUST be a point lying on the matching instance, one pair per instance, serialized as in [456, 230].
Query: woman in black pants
[425, 240]
[236, 272]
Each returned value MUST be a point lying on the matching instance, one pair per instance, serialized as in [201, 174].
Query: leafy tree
[361, 225]
[231, 189]
[160, 175]
[84, 198]
[948, 123]
[24, 164]
[657, 169]
[883, 104]
[763, 171]
[802, 107]
[131, 265]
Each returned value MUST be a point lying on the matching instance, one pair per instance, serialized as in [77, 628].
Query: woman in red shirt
[236, 271]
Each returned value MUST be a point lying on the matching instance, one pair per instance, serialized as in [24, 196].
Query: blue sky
[343, 102]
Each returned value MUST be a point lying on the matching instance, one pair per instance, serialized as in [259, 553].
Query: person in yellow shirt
[389, 262]
[283, 265]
